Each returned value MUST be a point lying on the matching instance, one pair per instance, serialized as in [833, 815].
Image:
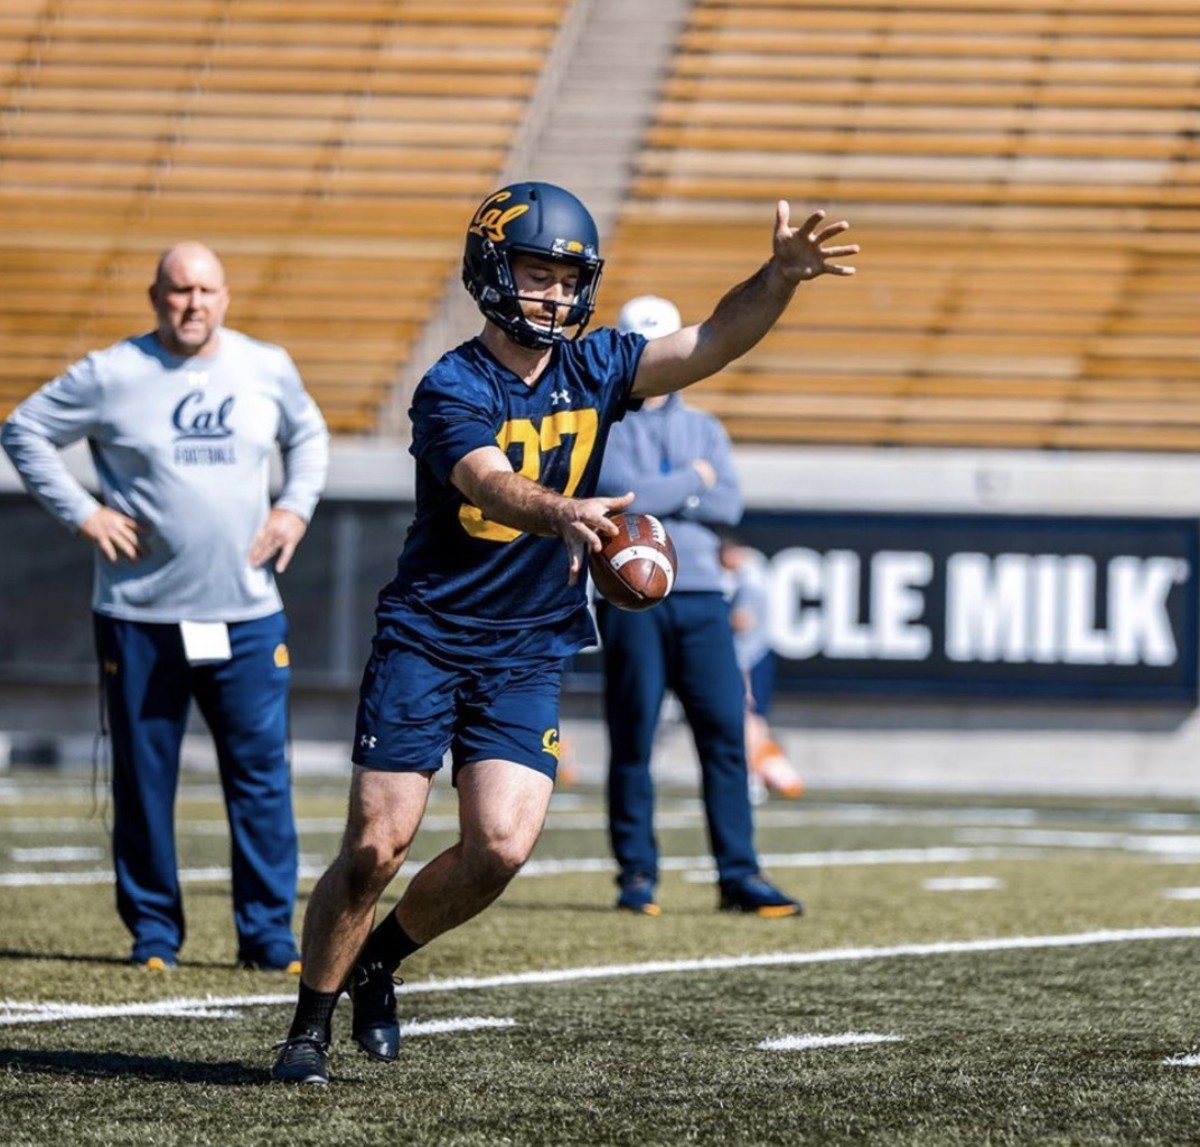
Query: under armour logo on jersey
[196, 377]
[557, 396]
[366, 741]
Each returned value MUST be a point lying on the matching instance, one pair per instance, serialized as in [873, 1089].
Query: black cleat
[302, 1059]
[374, 1025]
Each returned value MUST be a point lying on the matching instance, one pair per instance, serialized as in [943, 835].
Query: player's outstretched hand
[584, 526]
[278, 539]
[800, 252]
[114, 534]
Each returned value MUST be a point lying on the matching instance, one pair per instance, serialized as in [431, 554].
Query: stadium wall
[1128, 728]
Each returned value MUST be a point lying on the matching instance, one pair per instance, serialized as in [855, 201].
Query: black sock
[387, 945]
[314, 1012]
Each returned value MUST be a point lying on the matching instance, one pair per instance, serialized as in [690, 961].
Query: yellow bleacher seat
[1023, 181]
[329, 151]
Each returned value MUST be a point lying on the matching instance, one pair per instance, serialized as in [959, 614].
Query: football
[636, 568]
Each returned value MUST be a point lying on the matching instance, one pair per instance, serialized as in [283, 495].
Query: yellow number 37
[579, 426]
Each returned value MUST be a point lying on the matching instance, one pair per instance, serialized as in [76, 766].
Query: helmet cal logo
[490, 220]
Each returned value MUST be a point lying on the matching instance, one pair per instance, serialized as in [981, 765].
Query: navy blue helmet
[537, 219]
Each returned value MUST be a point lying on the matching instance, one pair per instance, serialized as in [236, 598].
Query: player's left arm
[748, 311]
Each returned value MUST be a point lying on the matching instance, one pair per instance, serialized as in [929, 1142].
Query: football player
[489, 598]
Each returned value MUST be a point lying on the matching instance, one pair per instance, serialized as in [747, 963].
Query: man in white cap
[678, 462]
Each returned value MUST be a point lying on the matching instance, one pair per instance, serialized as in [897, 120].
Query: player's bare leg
[384, 814]
[502, 807]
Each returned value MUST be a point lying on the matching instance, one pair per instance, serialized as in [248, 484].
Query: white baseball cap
[650, 316]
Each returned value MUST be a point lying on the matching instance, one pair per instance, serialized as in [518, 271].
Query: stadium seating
[328, 149]
[1022, 178]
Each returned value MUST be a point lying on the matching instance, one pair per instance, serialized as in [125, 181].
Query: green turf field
[969, 972]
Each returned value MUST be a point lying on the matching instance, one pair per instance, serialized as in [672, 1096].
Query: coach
[182, 423]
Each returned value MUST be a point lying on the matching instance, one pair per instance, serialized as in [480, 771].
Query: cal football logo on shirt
[192, 419]
[195, 421]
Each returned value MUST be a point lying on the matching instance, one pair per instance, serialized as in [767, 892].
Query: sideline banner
[975, 605]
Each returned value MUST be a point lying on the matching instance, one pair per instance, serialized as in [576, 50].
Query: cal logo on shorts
[550, 742]
[282, 660]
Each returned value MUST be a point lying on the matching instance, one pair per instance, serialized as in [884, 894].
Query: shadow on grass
[511, 902]
[514, 902]
[117, 1065]
[78, 958]
[65, 957]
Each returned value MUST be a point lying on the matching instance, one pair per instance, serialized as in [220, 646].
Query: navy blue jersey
[458, 565]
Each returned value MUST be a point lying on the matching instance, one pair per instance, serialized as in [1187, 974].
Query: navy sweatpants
[148, 687]
[685, 643]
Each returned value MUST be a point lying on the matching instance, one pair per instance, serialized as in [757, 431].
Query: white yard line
[807, 1042]
[225, 1009]
[17, 1011]
[45, 879]
[678, 813]
[697, 867]
[55, 853]
[702, 869]
[1156, 844]
[675, 814]
[105, 876]
[825, 956]
[1186, 1059]
[463, 1024]
[961, 883]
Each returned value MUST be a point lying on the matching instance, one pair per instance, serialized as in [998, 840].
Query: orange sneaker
[567, 775]
[776, 772]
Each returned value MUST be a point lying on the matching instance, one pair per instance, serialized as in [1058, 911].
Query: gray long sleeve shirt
[182, 445]
[651, 452]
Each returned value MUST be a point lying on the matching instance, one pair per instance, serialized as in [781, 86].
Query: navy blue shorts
[415, 707]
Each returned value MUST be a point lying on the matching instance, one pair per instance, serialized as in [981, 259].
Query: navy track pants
[148, 686]
[685, 643]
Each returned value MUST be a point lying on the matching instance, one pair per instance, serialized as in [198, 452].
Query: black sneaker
[374, 1026]
[302, 1059]
[757, 896]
